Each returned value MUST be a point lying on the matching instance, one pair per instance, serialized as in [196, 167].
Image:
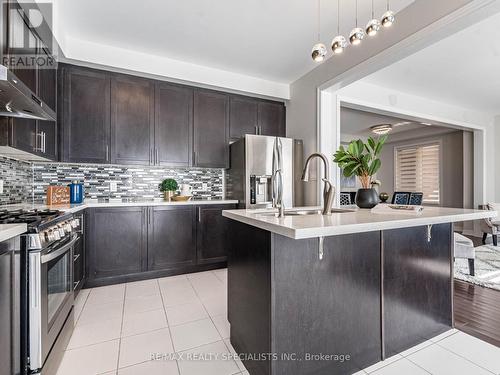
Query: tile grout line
[461, 356]
[121, 330]
[210, 316]
[384, 366]
[416, 364]
[168, 325]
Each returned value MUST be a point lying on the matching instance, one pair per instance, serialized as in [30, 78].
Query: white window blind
[417, 169]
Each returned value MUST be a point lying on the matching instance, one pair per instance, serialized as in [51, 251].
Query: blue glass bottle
[76, 192]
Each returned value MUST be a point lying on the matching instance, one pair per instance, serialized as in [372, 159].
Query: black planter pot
[366, 198]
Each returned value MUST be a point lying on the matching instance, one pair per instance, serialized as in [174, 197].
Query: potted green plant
[168, 186]
[362, 159]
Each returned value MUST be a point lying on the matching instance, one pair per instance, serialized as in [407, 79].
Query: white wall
[411, 106]
[496, 151]
[452, 162]
[421, 23]
[174, 70]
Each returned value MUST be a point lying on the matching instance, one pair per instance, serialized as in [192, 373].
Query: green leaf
[352, 149]
[347, 172]
[371, 143]
[375, 167]
[361, 147]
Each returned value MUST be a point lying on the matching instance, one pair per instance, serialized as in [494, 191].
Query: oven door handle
[55, 254]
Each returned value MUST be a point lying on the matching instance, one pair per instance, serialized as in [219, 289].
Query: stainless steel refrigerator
[253, 161]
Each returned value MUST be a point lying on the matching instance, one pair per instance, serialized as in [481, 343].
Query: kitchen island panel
[249, 308]
[326, 306]
[417, 287]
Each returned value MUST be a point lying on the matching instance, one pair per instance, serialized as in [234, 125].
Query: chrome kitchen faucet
[329, 189]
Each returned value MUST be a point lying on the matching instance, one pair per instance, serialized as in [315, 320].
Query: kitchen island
[314, 294]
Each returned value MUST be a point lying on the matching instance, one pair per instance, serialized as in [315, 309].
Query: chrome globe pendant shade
[373, 26]
[319, 51]
[339, 43]
[357, 34]
[388, 17]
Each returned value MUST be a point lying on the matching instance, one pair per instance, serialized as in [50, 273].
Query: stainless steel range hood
[17, 100]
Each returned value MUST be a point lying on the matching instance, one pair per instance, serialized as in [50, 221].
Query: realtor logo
[29, 42]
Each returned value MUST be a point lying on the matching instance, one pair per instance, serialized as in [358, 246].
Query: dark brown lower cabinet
[134, 243]
[212, 234]
[172, 237]
[117, 242]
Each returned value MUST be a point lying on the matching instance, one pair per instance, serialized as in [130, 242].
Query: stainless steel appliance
[17, 100]
[47, 287]
[254, 161]
[10, 307]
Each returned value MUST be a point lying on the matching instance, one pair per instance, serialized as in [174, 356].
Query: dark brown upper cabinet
[255, 116]
[123, 119]
[85, 115]
[211, 128]
[132, 120]
[243, 117]
[47, 130]
[21, 40]
[173, 125]
[271, 118]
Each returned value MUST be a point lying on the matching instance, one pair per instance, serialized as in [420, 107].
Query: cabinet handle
[194, 157]
[151, 156]
[256, 130]
[260, 130]
[199, 214]
[38, 142]
[44, 137]
[107, 153]
[157, 161]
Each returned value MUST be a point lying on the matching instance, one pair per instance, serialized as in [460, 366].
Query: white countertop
[8, 231]
[91, 203]
[309, 226]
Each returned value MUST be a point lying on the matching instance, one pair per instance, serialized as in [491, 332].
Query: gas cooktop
[33, 218]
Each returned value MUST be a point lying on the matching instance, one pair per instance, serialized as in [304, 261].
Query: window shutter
[417, 169]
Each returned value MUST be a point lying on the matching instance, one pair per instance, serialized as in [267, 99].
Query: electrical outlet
[1, 186]
[113, 187]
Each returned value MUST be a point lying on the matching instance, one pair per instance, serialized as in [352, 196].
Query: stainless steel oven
[50, 297]
[49, 292]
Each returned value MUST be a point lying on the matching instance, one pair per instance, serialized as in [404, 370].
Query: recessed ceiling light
[381, 129]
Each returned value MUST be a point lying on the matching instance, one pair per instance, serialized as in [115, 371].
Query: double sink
[305, 212]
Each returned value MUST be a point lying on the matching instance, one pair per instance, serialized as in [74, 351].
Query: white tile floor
[119, 327]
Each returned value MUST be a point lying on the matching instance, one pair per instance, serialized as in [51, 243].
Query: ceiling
[357, 123]
[462, 69]
[266, 39]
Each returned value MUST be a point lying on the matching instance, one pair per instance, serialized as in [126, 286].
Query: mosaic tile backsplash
[131, 182]
[17, 180]
[24, 182]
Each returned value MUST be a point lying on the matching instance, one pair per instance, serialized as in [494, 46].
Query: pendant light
[388, 17]
[357, 34]
[339, 43]
[374, 25]
[319, 50]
